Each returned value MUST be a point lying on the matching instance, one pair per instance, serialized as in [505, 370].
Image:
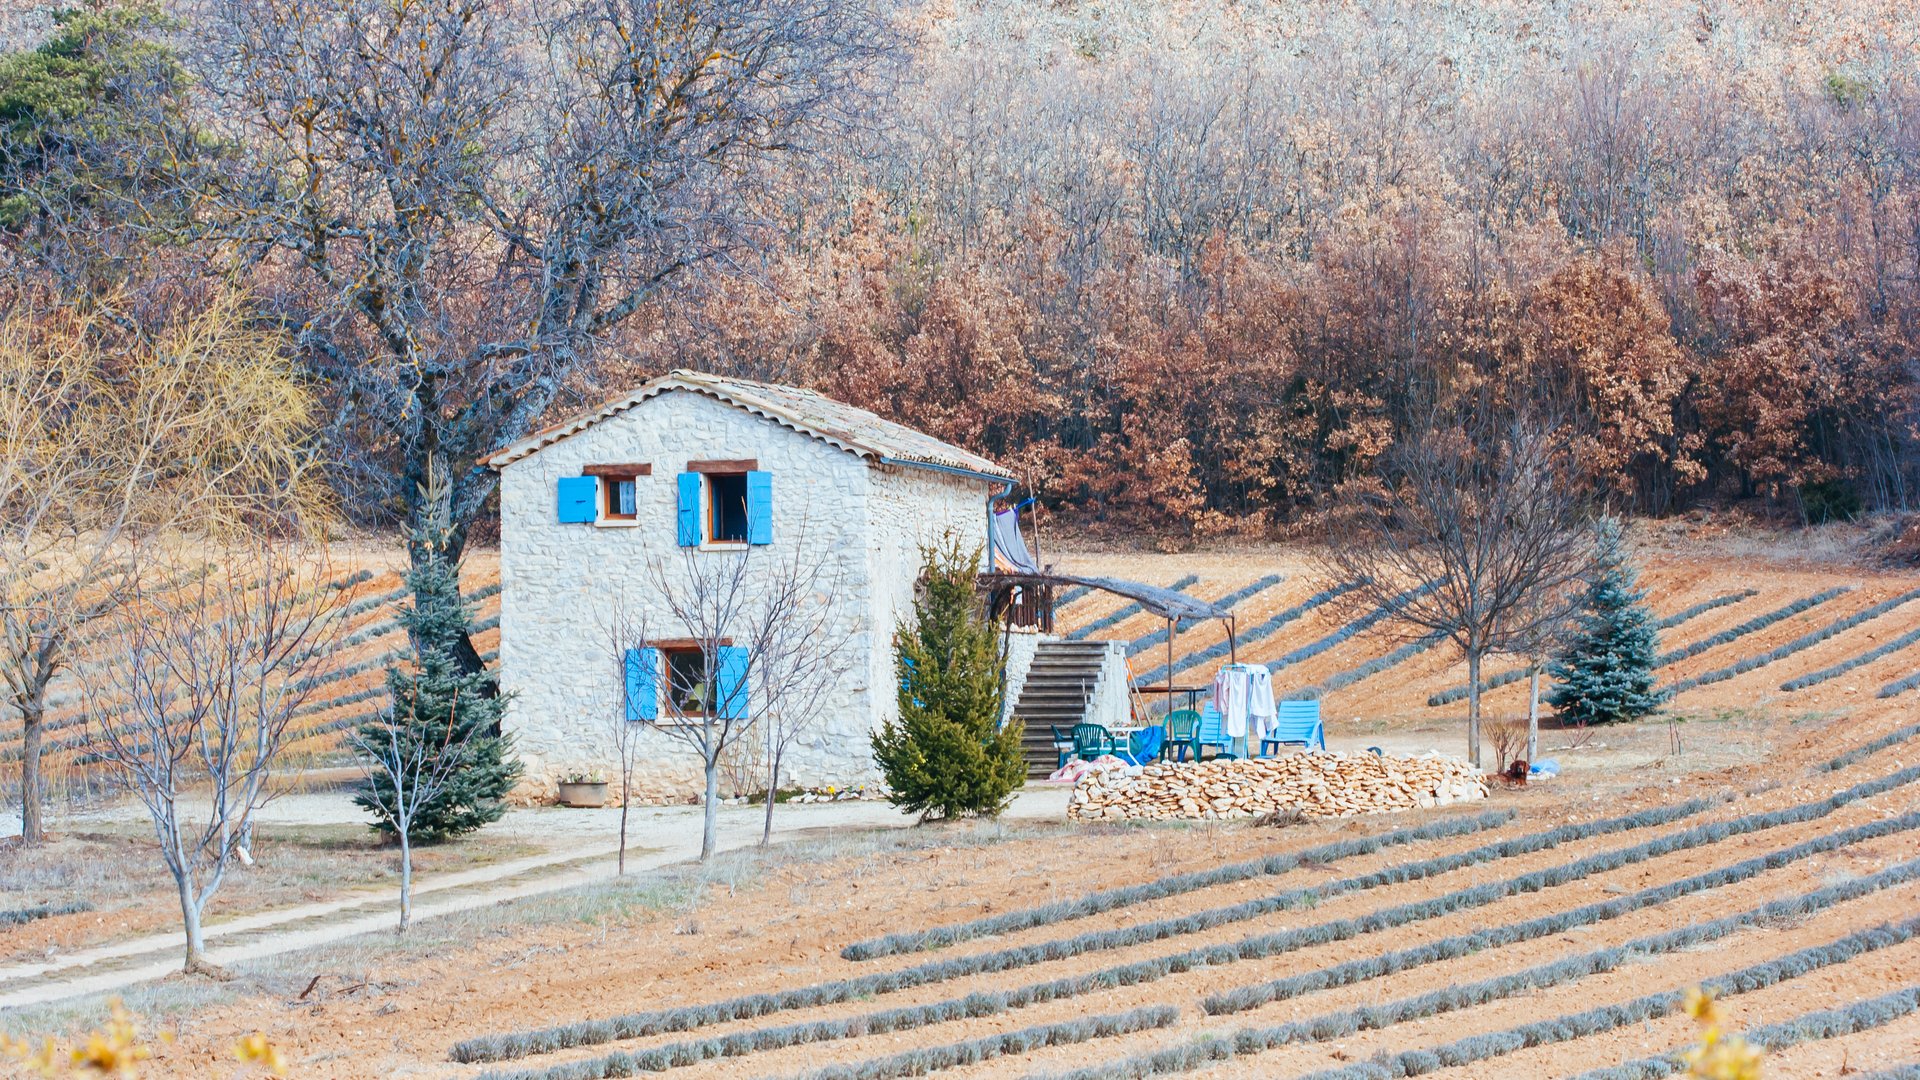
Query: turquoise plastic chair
[1298, 725]
[1091, 741]
[1213, 734]
[1063, 745]
[1183, 734]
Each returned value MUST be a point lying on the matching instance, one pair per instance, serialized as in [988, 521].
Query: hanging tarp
[1164, 602]
[1009, 547]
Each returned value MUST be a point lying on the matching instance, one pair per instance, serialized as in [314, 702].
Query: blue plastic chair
[1183, 734]
[1297, 725]
[1213, 734]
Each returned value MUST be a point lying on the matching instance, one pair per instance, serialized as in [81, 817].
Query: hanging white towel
[1232, 691]
[1261, 710]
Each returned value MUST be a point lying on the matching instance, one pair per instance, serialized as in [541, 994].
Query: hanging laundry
[1261, 710]
[1233, 694]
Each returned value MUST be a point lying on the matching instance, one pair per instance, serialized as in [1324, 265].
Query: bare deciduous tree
[468, 196]
[107, 437]
[414, 771]
[626, 639]
[1491, 510]
[801, 659]
[191, 708]
[758, 655]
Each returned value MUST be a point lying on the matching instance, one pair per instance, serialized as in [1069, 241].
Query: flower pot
[583, 795]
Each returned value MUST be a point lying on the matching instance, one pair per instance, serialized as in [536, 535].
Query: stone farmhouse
[593, 508]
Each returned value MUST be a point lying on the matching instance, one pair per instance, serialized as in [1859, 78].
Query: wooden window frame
[669, 713]
[611, 477]
[725, 465]
[711, 511]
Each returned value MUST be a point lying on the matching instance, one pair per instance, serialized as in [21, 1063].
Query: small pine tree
[438, 705]
[948, 754]
[1605, 672]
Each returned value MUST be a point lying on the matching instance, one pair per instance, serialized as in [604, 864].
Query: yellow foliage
[1718, 1056]
[116, 1050]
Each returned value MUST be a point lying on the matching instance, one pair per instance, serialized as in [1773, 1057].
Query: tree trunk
[406, 882]
[1533, 715]
[710, 827]
[620, 861]
[196, 961]
[32, 795]
[1473, 707]
[773, 789]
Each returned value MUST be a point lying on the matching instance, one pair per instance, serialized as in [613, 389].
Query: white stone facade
[561, 583]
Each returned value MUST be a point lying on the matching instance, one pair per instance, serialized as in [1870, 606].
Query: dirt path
[583, 851]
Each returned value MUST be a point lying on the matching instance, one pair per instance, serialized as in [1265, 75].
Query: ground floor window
[687, 681]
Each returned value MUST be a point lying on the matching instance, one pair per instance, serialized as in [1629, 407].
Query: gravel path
[581, 845]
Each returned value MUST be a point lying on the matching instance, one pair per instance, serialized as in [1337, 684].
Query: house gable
[856, 431]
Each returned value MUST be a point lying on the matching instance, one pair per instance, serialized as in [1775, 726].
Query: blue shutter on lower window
[759, 508]
[689, 517]
[732, 663]
[643, 696]
[579, 496]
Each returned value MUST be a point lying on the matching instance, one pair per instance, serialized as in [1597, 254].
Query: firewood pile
[1311, 785]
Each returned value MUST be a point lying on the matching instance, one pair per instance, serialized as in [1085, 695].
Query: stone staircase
[1058, 688]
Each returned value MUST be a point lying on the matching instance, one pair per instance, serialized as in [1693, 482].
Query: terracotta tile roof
[836, 423]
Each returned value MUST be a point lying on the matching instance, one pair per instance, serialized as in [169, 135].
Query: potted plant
[583, 789]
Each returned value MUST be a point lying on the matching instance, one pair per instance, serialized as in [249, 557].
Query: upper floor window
[727, 508]
[725, 502]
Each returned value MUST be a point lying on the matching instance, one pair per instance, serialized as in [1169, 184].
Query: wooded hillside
[1186, 265]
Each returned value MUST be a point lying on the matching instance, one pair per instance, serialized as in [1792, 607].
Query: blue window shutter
[732, 700]
[578, 498]
[643, 695]
[759, 508]
[689, 509]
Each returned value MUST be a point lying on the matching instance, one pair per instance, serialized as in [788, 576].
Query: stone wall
[562, 584]
[910, 509]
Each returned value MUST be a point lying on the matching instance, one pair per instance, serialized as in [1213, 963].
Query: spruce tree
[437, 705]
[948, 754]
[1605, 672]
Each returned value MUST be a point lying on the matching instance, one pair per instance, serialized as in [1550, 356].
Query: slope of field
[1545, 945]
[1373, 677]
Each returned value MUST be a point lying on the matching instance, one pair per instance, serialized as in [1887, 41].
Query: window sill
[725, 545]
[617, 523]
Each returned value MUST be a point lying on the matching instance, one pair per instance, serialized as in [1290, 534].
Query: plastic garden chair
[1298, 723]
[1183, 734]
[1091, 741]
[1213, 733]
[1063, 745]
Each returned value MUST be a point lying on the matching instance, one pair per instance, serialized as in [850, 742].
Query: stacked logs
[1310, 785]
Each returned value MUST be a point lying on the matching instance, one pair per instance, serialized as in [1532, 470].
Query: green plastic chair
[1091, 741]
[1063, 745]
[1183, 734]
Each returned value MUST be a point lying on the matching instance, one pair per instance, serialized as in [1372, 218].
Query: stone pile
[1312, 785]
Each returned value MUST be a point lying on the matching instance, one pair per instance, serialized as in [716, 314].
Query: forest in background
[1186, 266]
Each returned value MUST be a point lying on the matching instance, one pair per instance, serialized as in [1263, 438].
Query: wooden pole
[1172, 628]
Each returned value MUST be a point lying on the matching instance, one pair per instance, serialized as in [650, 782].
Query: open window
[687, 685]
[725, 503]
[727, 508]
[670, 681]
